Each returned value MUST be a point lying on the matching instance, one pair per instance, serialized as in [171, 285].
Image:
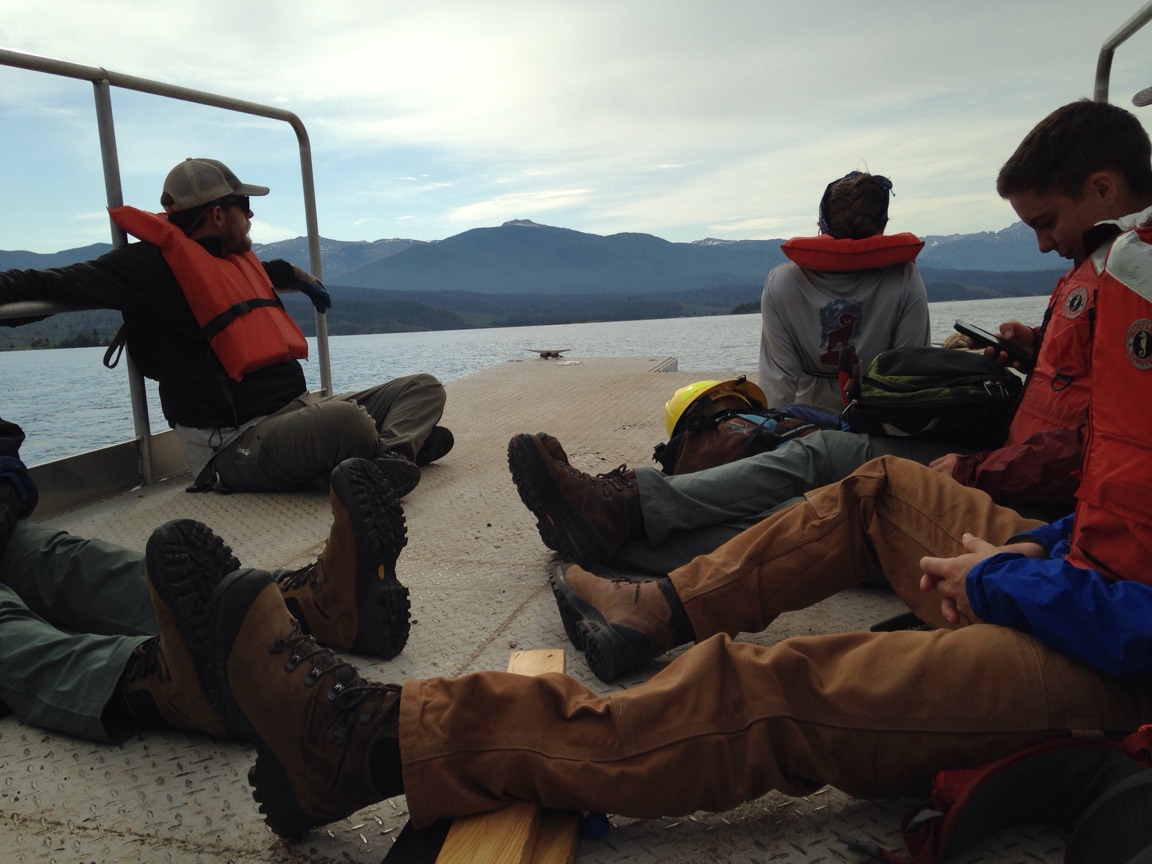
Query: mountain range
[522, 272]
[524, 257]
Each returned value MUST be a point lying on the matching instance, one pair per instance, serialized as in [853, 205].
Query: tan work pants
[873, 714]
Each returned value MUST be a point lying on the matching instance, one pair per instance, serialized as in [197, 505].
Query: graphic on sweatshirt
[839, 324]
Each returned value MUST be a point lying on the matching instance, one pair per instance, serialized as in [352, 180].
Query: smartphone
[983, 338]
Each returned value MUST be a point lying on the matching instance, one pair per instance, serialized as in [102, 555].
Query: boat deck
[477, 573]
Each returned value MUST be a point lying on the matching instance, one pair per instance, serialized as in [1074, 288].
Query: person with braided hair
[1080, 177]
[852, 288]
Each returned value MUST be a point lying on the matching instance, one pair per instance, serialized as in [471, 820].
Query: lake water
[67, 402]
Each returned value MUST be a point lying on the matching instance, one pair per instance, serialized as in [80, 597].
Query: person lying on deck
[85, 625]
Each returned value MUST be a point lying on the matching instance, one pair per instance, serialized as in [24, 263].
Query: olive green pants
[873, 714]
[308, 437]
[71, 612]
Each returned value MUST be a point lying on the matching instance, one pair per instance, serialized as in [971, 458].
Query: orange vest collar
[827, 253]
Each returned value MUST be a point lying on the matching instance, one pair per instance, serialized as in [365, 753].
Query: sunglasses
[241, 201]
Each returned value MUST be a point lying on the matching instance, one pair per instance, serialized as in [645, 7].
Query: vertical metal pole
[115, 195]
[314, 252]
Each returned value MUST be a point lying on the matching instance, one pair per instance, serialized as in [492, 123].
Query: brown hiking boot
[326, 739]
[350, 598]
[621, 625]
[185, 561]
[584, 518]
[161, 692]
[552, 447]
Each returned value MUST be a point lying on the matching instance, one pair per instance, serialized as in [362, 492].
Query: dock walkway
[477, 572]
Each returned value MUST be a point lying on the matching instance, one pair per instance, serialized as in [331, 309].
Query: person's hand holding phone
[1013, 346]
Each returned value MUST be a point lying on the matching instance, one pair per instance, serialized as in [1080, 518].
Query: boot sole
[400, 474]
[439, 444]
[383, 606]
[610, 651]
[561, 532]
[185, 561]
[230, 603]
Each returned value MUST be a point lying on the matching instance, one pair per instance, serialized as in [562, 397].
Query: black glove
[313, 288]
[18, 494]
[15, 477]
[10, 507]
[11, 437]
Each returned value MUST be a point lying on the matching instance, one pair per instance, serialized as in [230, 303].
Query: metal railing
[102, 81]
[1108, 49]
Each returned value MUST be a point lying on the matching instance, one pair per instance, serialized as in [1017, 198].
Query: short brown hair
[1074, 141]
[855, 206]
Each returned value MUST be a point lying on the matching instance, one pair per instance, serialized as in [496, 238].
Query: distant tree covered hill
[523, 273]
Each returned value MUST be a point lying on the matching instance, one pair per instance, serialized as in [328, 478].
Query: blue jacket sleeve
[1105, 623]
[1051, 536]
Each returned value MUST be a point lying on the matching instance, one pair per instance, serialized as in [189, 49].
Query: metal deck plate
[477, 571]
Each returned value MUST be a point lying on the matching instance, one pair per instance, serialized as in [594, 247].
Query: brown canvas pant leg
[874, 714]
[890, 511]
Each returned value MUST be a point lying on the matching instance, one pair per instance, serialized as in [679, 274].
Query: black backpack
[943, 394]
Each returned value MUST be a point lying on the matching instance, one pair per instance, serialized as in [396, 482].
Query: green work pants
[308, 437]
[71, 613]
[686, 515]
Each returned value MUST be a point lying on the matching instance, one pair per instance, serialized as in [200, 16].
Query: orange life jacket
[827, 253]
[231, 297]
[1112, 532]
[1058, 388]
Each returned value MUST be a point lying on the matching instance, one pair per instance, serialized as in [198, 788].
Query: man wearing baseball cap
[202, 318]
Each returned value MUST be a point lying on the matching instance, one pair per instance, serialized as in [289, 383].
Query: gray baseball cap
[198, 181]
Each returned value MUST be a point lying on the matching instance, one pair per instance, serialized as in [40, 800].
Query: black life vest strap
[116, 347]
[233, 312]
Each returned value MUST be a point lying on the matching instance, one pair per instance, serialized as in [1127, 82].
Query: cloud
[684, 120]
[517, 204]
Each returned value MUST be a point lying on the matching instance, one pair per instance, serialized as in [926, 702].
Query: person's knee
[430, 387]
[347, 426]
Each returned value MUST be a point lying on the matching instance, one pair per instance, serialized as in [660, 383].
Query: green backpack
[943, 394]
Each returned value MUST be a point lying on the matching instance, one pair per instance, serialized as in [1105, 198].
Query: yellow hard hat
[704, 398]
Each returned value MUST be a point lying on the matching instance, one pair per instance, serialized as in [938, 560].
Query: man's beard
[235, 241]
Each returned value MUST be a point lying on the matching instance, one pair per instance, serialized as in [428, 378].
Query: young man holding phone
[1078, 179]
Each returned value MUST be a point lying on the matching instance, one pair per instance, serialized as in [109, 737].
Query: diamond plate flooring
[478, 576]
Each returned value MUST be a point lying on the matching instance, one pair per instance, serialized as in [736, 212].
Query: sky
[687, 120]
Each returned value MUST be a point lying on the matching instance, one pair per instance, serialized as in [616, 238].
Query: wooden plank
[557, 839]
[506, 836]
[536, 662]
[518, 834]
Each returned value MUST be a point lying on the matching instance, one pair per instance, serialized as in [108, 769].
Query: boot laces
[610, 482]
[616, 479]
[355, 699]
[299, 578]
[146, 662]
[633, 583]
